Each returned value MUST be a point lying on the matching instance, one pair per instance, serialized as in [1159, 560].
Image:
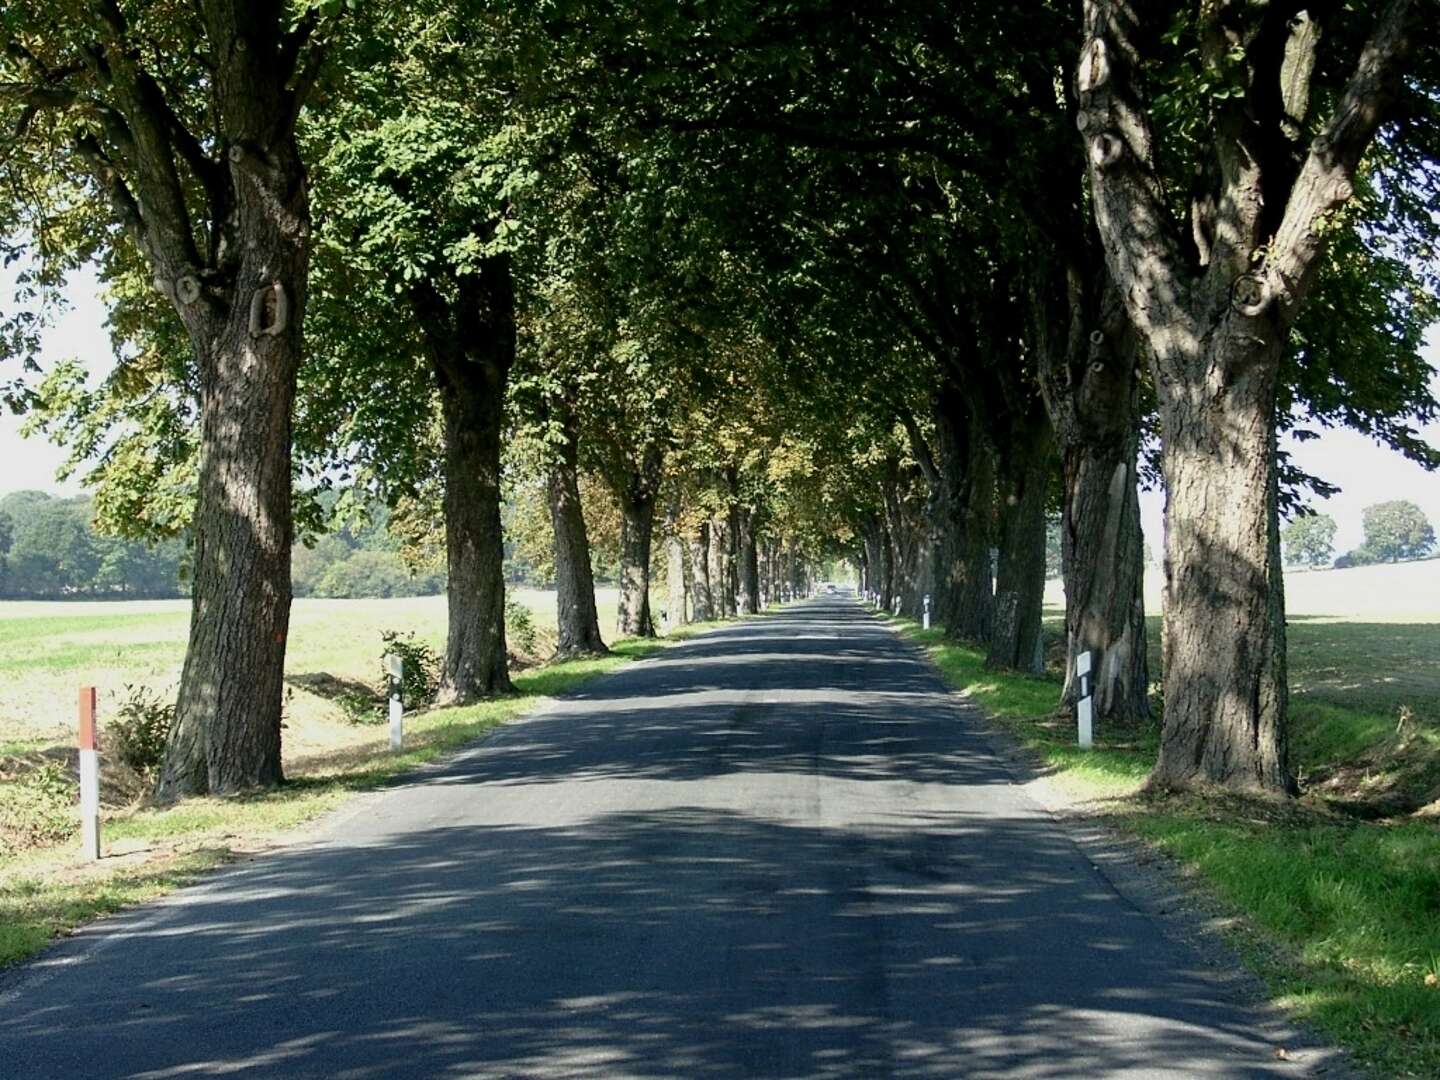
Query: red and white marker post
[89, 776]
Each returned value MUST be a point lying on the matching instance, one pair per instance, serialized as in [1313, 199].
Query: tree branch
[1326, 179]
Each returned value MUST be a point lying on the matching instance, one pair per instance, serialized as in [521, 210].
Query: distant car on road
[829, 588]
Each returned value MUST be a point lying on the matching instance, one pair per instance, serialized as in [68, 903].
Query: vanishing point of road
[780, 849]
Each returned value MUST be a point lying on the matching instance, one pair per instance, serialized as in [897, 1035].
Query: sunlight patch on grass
[1356, 909]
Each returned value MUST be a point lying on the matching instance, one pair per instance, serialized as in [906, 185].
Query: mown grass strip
[1340, 917]
[46, 893]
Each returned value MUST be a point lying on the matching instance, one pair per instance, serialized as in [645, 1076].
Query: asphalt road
[778, 850]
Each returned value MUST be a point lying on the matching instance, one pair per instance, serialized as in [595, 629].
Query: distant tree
[1309, 540]
[7, 537]
[1397, 530]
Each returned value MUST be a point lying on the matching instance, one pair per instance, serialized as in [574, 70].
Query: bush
[361, 708]
[421, 678]
[520, 630]
[39, 808]
[140, 728]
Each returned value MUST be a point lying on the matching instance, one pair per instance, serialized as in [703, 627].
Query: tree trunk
[748, 571]
[637, 522]
[963, 572]
[704, 609]
[674, 571]
[1089, 358]
[722, 576]
[226, 733]
[1226, 693]
[577, 621]
[1027, 466]
[471, 342]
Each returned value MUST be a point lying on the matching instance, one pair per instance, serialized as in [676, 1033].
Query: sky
[1365, 472]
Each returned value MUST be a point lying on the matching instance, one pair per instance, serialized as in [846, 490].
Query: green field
[49, 650]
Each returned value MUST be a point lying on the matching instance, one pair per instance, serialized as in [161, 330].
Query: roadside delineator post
[927, 611]
[1083, 700]
[89, 776]
[395, 668]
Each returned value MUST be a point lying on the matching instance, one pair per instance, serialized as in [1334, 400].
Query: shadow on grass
[1026, 707]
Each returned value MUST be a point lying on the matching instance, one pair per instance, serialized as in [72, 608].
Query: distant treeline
[50, 550]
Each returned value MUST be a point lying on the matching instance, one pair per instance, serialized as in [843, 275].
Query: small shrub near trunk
[421, 678]
[139, 728]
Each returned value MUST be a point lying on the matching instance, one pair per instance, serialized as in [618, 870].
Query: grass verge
[1340, 917]
[150, 851]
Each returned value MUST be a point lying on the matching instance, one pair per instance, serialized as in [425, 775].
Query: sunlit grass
[1355, 908]
[1026, 706]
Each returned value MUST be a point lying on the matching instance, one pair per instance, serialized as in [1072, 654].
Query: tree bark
[748, 572]
[674, 571]
[1089, 363]
[963, 569]
[700, 573]
[1214, 310]
[226, 733]
[637, 520]
[722, 572]
[577, 621]
[1026, 468]
[472, 365]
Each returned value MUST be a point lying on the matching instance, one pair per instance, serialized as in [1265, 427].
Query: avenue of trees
[753, 284]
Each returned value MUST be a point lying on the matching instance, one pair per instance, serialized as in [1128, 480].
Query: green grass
[44, 892]
[1024, 705]
[1354, 909]
[35, 910]
[1340, 916]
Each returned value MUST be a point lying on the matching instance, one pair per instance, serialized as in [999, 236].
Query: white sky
[1366, 473]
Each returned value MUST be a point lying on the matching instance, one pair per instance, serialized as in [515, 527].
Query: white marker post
[1083, 702]
[897, 604]
[927, 611]
[395, 668]
[89, 776]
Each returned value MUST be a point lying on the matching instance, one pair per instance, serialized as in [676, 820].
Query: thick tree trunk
[226, 734]
[748, 571]
[475, 660]
[1215, 328]
[1103, 553]
[472, 347]
[722, 572]
[636, 528]
[675, 614]
[1091, 389]
[577, 621]
[1226, 694]
[963, 570]
[1027, 467]
[704, 603]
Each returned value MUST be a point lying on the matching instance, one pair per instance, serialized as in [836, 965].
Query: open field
[47, 650]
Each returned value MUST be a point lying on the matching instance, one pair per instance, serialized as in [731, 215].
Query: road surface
[777, 850]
